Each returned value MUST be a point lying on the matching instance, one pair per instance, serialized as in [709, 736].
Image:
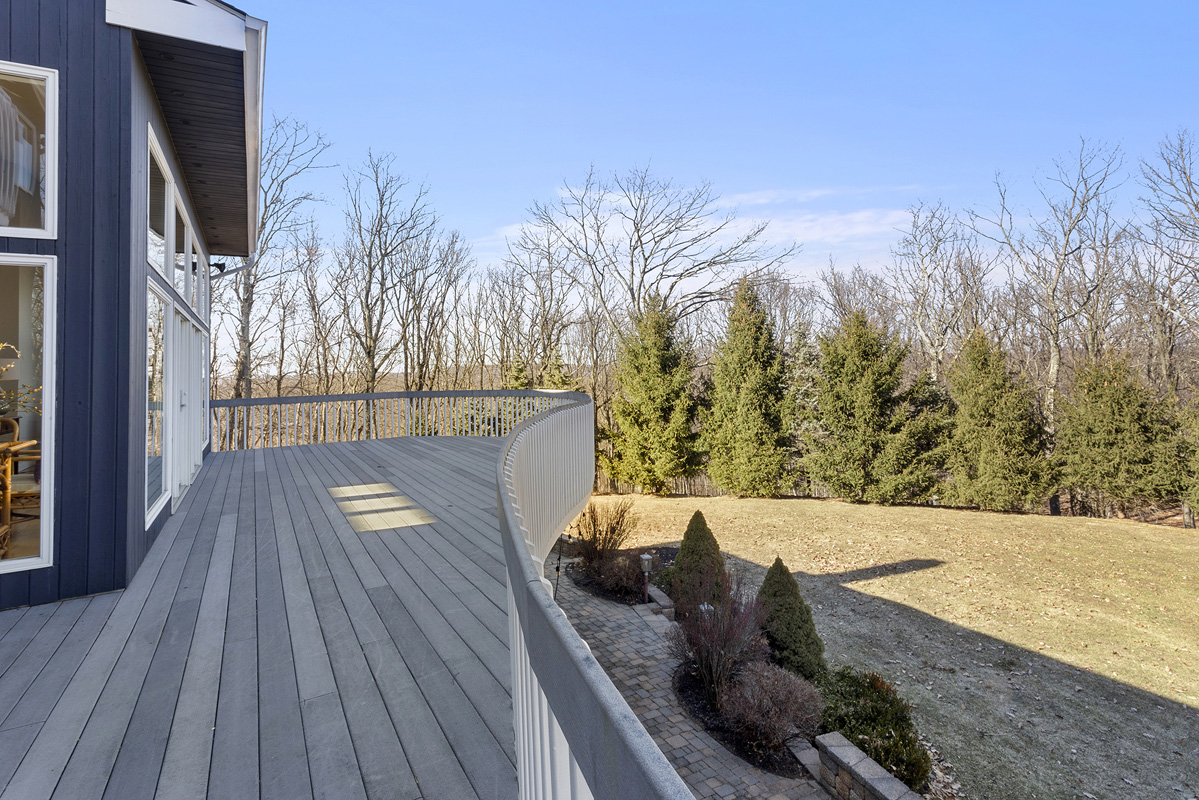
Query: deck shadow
[1014, 722]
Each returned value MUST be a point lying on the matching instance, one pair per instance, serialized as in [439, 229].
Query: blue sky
[826, 118]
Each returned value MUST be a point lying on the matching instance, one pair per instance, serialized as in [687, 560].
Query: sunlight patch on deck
[378, 507]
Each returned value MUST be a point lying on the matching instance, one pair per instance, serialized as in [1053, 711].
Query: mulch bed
[663, 557]
[592, 586]
[691, 696]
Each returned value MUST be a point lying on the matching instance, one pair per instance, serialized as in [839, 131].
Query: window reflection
[155, 354]
[180, 258]
[22, 152]
[156, 243]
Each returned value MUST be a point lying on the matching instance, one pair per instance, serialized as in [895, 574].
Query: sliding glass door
[176, 380]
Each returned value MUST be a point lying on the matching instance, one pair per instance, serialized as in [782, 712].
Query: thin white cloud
[836, 227]
[783, 197]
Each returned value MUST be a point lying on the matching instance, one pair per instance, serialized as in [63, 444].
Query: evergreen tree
[877, 443]
[996, 457]
[1119, 446]
[654, 408]
[699, 575]
[794, 642]
[746, 426]
[517, 376]
[803, 371]
[554, 375]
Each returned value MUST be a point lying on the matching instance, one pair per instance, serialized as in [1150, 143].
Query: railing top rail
[325, 398]
[586, 704]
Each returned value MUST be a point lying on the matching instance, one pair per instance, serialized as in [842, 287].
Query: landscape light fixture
[646, 561]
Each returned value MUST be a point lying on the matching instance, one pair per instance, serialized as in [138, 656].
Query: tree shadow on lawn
[1014, 723]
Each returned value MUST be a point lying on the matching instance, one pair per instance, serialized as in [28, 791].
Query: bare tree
[382, 217]
[1171, 183]
[938, 282]
[431, 268]
[634, 236]
[290, 150]
[539, 261]
[325, 339]
[1055, 265]
[1161, 294]
[857, 290]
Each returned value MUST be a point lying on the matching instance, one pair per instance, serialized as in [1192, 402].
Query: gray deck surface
[282, 640]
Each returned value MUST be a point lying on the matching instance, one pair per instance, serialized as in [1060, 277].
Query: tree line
[1008, 357]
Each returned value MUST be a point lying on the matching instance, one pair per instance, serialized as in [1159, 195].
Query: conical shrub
[699, 568]
[794, 642]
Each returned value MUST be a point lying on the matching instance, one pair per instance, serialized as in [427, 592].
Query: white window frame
[49, 267]
[168, 316]
[50, 229]
[168, 201]
[206, 413]
[178, 211]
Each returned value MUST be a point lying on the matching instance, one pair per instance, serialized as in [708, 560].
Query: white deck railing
[576, 737]
[282, 421]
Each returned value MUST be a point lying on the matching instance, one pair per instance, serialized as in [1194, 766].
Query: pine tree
[517, 376]
[1119, 446]
[996, 457]
[699, 575]
[554, 375]
[654, 408]
[746, 426]
[876, 443]
[794, 642]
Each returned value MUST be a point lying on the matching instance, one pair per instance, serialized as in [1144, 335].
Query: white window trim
[206, 419]
[168, 201]
[49, 266]
[50, 76]
[168, 311]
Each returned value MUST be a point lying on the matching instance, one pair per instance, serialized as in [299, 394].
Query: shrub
[699, 569]
[664, 578]
[719, 640]
[769, 706]
[603, 530]
[868, 711]
[794, 643]
[621, 573]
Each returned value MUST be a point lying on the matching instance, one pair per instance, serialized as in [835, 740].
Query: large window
[182, 255]
[156, 242]
[155, 393]
[28, 151]
[27, 297]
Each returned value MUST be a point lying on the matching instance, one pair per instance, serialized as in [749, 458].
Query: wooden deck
[318, 621]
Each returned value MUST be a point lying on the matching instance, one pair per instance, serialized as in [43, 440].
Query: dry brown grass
[1060, 652]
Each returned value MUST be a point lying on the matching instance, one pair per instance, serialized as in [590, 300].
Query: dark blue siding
[92, 493]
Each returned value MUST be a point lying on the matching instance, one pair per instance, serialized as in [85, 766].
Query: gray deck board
[268, 649]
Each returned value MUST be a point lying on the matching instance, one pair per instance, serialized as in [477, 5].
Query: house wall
[91, 501]
[146, 115]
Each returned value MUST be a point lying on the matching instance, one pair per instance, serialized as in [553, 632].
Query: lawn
[1045, 657]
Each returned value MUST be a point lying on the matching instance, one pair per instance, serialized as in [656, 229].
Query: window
[28, 151]
[27, 320]
[194, 278]
[155, 387]
[157, 239]
[180, 259]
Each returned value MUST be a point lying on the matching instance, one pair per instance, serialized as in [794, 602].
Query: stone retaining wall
[848, 774]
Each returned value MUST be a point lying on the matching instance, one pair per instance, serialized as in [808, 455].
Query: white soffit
[194, 20]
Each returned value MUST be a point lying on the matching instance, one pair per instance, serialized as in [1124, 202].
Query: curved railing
[576, 737]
